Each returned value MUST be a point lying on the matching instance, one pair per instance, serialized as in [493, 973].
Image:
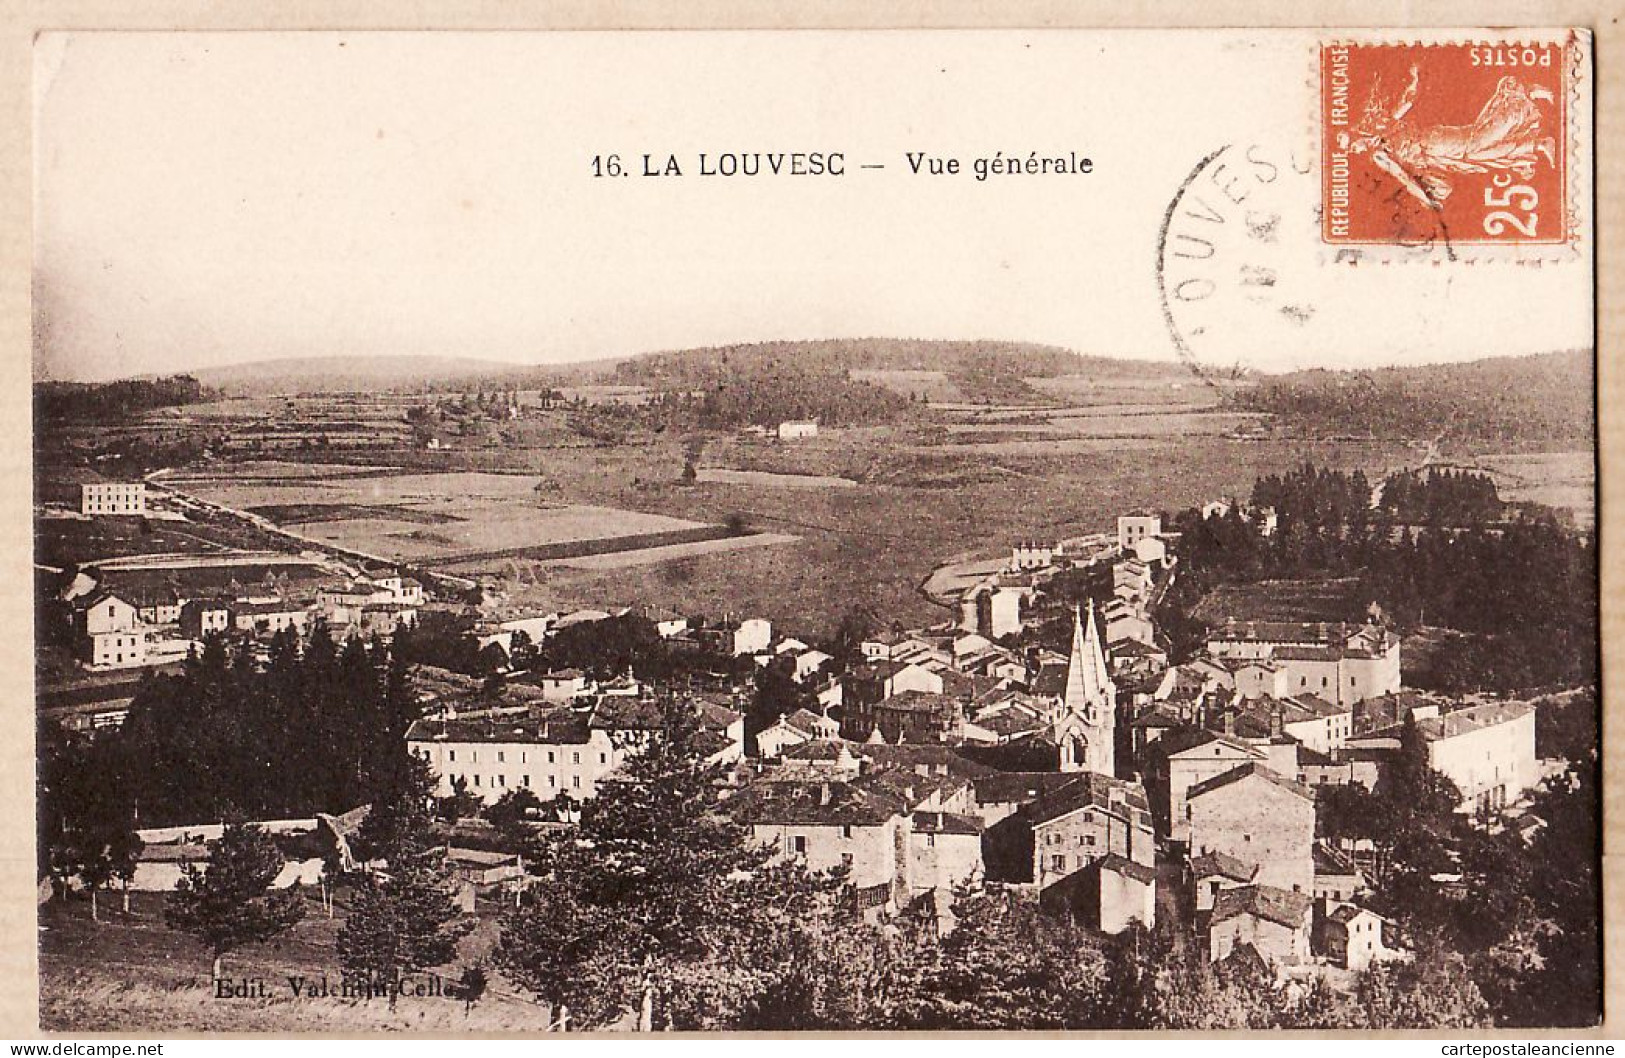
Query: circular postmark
[1231, 271]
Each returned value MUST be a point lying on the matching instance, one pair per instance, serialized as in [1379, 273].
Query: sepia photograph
[820, 531]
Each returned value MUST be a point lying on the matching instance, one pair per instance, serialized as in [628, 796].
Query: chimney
[1230, 721]
[824, 795]
[1277, 721]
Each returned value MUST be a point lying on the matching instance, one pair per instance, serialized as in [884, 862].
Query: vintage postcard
[816, 531]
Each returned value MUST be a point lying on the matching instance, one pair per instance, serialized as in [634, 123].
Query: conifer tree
[658, 905]
[404, 919]
[231, 903]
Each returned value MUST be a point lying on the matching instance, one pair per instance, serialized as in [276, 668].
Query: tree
[658, 902]
[230, 903]
[511, 811]
[1433, 991]
[87, 814]
[100, 850]
[462, 804]
[1006, 966]
[404, 919]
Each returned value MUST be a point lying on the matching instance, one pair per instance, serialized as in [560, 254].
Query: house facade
[1085, 820]
[1257, 817]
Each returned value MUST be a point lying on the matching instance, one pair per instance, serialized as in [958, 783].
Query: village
[1095, 775]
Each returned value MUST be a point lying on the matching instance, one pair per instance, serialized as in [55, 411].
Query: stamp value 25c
[1458, 143]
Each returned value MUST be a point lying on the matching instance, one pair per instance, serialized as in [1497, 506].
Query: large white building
[1488, 751]
[113, 497]
[554, 751]
[1340, 663]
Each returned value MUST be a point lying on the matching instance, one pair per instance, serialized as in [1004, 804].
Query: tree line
[1522, 594]
[105, 402]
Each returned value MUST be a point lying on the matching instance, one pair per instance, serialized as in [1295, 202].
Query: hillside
[1547, 398]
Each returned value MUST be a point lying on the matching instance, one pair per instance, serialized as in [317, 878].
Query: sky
[210, 199]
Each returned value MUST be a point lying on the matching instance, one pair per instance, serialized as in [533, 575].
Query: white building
[1488, 751]
[109, 632]
[561, 751]
[796, 430]
[1132, 528]
[113, 497]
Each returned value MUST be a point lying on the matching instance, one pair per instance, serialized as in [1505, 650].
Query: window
[476, 780]
[846, 831]
[524, 780]
[523, 759]
[474, 756]
[552, 780]
[603, 759]
[798, 844]
[1088, 839]
[575, 758]
[502, 780]
[500, 756]
[550, 756]
[1057, 863]
[846, 859]
[930, 841]
[575, 781]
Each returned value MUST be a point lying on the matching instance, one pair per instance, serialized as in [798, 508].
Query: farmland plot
[438, 518]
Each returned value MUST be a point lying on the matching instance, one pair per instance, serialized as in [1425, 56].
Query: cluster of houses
[1108, 783]
[134, 614]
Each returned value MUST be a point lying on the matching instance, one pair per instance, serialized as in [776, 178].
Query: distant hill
[987, 360]
[1548, 397]
[399, 374]
[983, 368]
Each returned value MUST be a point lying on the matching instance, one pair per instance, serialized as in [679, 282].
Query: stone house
[1273, 922]
[1085, 820]
[1260, 817]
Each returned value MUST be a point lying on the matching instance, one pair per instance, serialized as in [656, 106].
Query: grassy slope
[132, 973]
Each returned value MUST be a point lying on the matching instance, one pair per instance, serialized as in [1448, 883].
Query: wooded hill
[840, 356]
[1549, 397]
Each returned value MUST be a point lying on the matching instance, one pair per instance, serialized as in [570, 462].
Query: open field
[1565, 480]
[933, 386]
[1284, 600]
[873, 545]
[859, 516]
[718, 476]
[644, 556]
[433, 518]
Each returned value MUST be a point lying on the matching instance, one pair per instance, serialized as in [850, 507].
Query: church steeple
[1090, 698]
[1087, 678]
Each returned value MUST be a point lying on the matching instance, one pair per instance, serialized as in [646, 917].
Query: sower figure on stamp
[1505, 136]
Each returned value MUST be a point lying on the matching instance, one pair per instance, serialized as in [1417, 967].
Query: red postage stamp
[1458, 143]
